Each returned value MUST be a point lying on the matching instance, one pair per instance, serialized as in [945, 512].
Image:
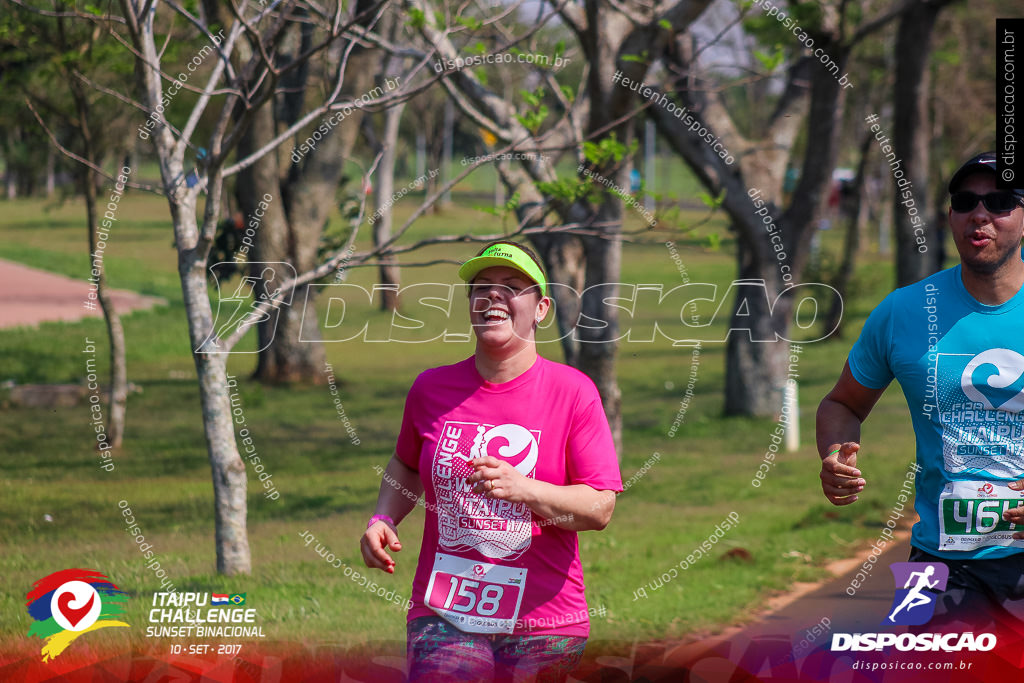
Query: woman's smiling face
[504, 307]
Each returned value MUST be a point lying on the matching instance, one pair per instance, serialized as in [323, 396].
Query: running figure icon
[916, 598]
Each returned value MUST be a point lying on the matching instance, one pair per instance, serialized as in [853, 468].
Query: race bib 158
[475, 596]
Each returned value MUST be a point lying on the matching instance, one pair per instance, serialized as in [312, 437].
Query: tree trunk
[193, 248]
[598, 349]
[10, 175]
[852, 209]
[565, 264]
[115, 331]
[291, 347]
[51, 172]
[282, 358]
[388, 273]
[915, 259]
[754, 357]
[227, 468]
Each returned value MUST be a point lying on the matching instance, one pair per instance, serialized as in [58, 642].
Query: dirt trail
[31, 296]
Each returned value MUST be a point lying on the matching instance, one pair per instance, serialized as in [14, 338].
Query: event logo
[911, 604]
[468, 519]
[511, 442]
[995, 378]
[70, 603]
[979, 398]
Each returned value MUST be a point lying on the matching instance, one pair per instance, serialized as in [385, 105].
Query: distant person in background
[635, 181]
[955, 343]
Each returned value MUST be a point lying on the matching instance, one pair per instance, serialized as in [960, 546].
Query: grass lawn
[328, 485]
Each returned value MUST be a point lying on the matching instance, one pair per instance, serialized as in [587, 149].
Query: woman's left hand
[497, 479]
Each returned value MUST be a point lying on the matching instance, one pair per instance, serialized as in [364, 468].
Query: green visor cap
[509, 256]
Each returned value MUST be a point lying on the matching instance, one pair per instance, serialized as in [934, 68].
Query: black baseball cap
[986, 161]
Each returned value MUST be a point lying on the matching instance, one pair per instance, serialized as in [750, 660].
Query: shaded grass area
[787, 531]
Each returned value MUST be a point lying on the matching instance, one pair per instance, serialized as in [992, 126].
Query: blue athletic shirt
[960, 364]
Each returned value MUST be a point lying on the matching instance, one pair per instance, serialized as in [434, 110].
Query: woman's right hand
[374, 544]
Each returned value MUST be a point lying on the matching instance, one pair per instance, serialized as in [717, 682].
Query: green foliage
[770, 62]
[770, 31]
[472, 23]
[417, 19]
[565, 190]
[607, 149]
[642, 58]
[711, 202]
[534, 117]
[505, 210]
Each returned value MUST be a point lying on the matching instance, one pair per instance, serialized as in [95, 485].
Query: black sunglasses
[996, 202]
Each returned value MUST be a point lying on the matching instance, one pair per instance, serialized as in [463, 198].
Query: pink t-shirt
[492, 566]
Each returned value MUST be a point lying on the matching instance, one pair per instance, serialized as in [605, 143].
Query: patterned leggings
[438, 651]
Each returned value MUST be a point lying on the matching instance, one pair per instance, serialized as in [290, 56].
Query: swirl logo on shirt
[513, 443]
[468, 519]
[995, 379]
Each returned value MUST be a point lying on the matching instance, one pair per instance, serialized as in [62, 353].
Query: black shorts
[981, 594]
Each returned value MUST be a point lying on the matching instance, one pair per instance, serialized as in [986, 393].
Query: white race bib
[971, 515]
[476, 597]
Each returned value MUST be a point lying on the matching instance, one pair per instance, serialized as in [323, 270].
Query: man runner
[955, 343]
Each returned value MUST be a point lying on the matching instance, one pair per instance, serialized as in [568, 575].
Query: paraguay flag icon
[219, 599]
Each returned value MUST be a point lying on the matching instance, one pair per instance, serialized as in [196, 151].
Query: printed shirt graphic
[550, 425]
[960, 364]
[497, 529]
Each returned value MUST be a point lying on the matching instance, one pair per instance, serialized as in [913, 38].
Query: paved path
[806, 623]
[793, 642]
[31, 296]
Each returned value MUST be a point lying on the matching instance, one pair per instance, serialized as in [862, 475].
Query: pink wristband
[380, 518]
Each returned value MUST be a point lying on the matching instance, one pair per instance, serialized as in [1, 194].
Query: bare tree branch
[81, 160]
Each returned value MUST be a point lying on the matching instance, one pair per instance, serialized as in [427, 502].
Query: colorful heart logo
[75, 605]
[73, 615]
